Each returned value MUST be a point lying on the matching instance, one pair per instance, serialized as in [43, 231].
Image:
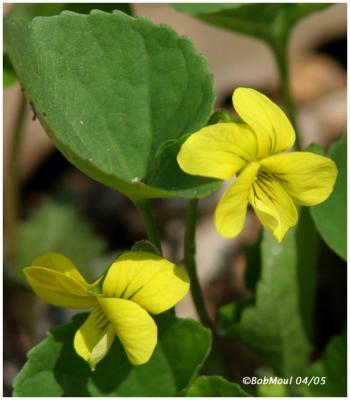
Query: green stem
[144, 208]
[11, 198]
[216, 360]
[190, 251]
[280, 51]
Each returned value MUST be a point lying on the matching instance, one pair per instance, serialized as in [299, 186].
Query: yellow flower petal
[218, 151]
[274, 132]
[94, 338]
[273, 206]
[134, 327]
[60, 263]
[308, 178]
[232, 208]
[147, 279]
[55, 279]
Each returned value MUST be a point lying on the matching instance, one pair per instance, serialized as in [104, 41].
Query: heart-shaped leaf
[54, 369]
[110, 90]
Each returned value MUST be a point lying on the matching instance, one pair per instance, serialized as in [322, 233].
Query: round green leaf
[110, 89]
[330, 216]
[54, 369]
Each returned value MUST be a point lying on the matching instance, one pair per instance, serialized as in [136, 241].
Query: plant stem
[11, 198]
[144, 208]
[190, 251]
[216, 361]
[280, 51]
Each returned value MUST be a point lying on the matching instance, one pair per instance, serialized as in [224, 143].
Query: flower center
[101, 319]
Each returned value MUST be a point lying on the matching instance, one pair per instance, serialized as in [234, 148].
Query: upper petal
[273, 206]
[151, 281]
[55, 279]
[134, 327]
[232, 208]
[94, 338]
[59, 262]
[308, 178]
[274, 133]
[218, 151]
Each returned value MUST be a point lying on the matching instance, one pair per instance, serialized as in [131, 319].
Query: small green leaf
[214, 386]
[112, 96]
[54, 369]
[269, 22]
[56, 227]
[277, 325]
[167, 174]
[330, 216]
[333, 368]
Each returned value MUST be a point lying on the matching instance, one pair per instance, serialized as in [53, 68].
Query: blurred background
[61, 209]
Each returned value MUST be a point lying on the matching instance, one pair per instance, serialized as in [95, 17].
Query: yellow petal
[94, 338]
[273, 206]
[232, 208]
[134, 327]
[274, 133]
[218, 151]
[151, 281]
[60, 263]
[308, 178]
[55, 279]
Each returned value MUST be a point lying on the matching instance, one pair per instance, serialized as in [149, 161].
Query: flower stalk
[280, 51]
[144, 209]
[190, 261]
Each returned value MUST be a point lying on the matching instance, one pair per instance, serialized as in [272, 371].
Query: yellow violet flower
[136, 284]
[271, 182]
